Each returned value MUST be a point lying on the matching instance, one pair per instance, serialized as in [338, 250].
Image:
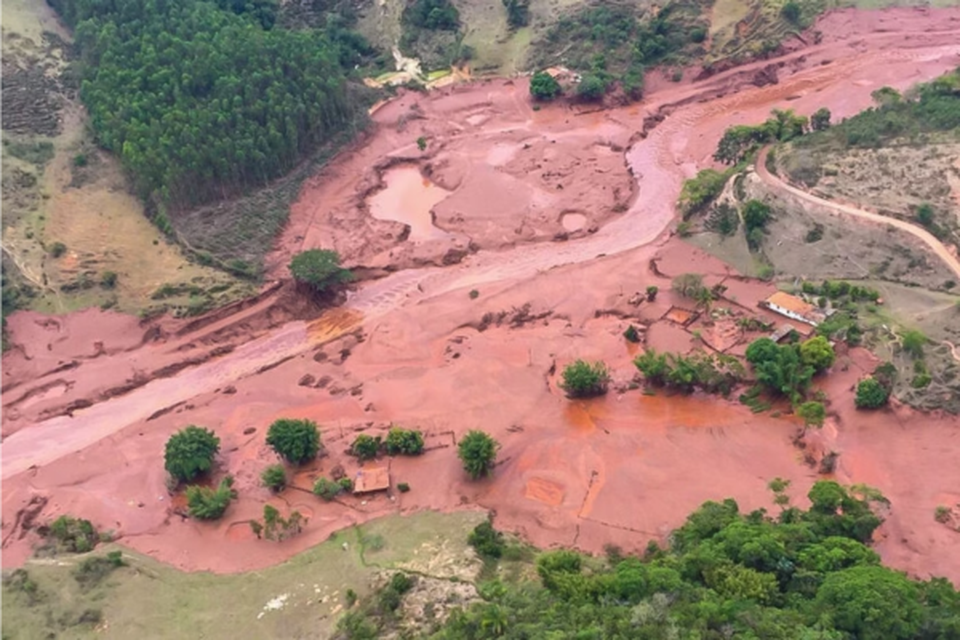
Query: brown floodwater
[409, 197]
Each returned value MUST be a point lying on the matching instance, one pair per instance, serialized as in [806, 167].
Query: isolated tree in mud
[205, 503]
[319, 269]
[582, 379]
[812, 413]
[190, 452]
[296, 441]
[478, 452]
[544, 86]
[870, 394]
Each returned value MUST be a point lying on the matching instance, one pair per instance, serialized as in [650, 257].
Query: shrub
[913, 342]
[91, 571]
[408, 442]
[205, 503]
[478, 452]
[870, 394]
[518, 13]
[474, 294]
[296, 441]
[365, 447]
[698, 192]
[813, 413]
[274, 477]
[582, 379]
[346, 484]
[652, 291]
[941, 514]
[326, 489]
[820, 119]
[74, 535]
[108, 280]
[319, 269]
[190, 452]
[791, 11]
[591, 87]
[275, 527]
[403, 487]
[543, 86]
[487, 541]
[57, 249]
[631, 334]
[422, 143]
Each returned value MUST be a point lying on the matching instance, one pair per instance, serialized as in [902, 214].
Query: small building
[794, 308]
[371, 479]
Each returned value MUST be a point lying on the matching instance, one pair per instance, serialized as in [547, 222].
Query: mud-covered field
[558, 221]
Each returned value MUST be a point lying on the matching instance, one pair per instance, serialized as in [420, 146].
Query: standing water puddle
[408, 198]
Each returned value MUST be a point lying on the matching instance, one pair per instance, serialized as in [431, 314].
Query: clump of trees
[518, 13]
[437, 15]
[405, 442]
[200, 100]
[739, 141]
[756, 215]
[820, 120]
[544, 86]
[487, 541]
[329, 489]
[190, 452]
[366, 447]
[783, 370]
[71, 535]
[710, 373]
[319, 269]
[206, 503]
[274, 478]
[275, 526]
[582, 379]
[296, 441]
[727, 573]
[701, 190]
[478, 453]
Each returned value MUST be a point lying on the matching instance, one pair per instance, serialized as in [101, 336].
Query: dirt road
[916, 231]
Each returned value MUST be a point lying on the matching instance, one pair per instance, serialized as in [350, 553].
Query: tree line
[201, 100]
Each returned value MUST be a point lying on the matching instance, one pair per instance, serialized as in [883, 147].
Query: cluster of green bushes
[840, 290]
[71, 535]
[319, 269]
[518, 13]
[330, 489]
[787, 370]
[275, 526]
[399, 442]
[726, 574]
[739, 141]
[611, 44]
[432, 14]
[928, 108]
[710, 373]
[700, 191]
[582, 379]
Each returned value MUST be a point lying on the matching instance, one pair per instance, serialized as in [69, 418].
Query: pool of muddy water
[409, 197]
[573, 221]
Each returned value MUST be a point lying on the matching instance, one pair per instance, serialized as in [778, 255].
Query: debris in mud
[306, 380]
[229, 390]
[515, 318]
[765, 76]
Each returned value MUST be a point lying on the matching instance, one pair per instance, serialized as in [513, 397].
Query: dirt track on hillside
[414, 348]
[936, 247]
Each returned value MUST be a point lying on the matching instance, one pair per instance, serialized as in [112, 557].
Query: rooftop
[793, 304]
[371, 479]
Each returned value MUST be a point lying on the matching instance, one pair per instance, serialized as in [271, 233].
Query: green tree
[817, 353]
[205, 503]
[820, 120]
[296, 441]
[872, 603]
[327, 489]
[582, 379]
[190, 452]
[870, 394]
[812, 413]
[779, 368]
[791, 11]
[591, 87]
[422, 143]
[925, 214]
[486, 540]
[408, 442]
[274, 478]
[543, 86]
[319, 269]
[478, 453]
[365, 447]
[913, 342]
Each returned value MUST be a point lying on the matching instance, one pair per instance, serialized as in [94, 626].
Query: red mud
[622, 470]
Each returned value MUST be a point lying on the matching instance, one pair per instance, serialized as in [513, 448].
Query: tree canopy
[319, 269]
[199, 99]
[544, 86]
[478, 452]
[296, 441]
[189, 453]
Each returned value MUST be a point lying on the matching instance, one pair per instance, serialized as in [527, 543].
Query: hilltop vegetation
[199, 102]
[800, 574]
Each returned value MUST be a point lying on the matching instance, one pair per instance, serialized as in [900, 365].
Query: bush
[57, 249]
[274, 478]
[813, 413]
[652, 292]
[870, 394]
[296, 441]
[108, 280]
[487, 541]
[582, 379]
[74, 535]
[820, 120]
[941, 514]
[205, 503]
[422, 143]
[346, 484]
[791, 11]
[478, 452]
[403, 487]
[365, 447]
[91, 571]
[190, 452]
[319, 269]
[817, 353]
[327, 489]
[408, 442]
[631, 334]
[518, 13]
[591, 87]
[913, 342]
[543, 86]
[275, 527]
[700, 191]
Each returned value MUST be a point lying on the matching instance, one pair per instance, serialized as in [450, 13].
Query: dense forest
[199, 99]
[801, 575]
